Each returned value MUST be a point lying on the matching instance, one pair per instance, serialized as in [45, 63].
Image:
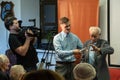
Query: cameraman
[22, 47]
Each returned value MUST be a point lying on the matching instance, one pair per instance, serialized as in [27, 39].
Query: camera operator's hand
[27, 33]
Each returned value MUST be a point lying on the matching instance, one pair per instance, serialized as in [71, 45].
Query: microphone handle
[83, 49]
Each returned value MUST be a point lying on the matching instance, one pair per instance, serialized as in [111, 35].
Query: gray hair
[3, 58]
[84, 71]
[95, 28]
[16, 72]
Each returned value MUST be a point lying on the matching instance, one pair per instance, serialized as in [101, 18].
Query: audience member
[96, 52]
[16, 72]
[4, 66]
[66, 45]
[42, 75]
[84, 71]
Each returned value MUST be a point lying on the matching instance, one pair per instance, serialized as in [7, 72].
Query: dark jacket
[100, 63]
[4, 76]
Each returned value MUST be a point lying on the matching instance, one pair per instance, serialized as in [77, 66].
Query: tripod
[47, 55]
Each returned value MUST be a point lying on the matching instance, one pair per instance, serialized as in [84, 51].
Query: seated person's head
[16, 72]
[4, 63]
[42, 75]
[84, 71]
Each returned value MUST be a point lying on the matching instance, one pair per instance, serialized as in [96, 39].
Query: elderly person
[84, 71]
[96, 52]
[16, 72]
[4, 66]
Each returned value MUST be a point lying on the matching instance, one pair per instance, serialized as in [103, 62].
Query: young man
[66, 45]
[96, 52]
[22, 46]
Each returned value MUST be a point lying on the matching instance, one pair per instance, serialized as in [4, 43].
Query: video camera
[35, 30]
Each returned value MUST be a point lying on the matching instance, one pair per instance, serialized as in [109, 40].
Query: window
[48, 22]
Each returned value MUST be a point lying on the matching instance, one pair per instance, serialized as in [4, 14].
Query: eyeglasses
[95, 36]
[67, 26]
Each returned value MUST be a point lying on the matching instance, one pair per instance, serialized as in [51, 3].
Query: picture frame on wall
[6, 9]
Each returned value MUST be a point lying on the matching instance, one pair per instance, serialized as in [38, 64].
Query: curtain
[82, 15]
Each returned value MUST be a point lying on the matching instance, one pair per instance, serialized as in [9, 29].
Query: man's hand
[27, 35]
[95, 48]
[77, 55]
[76, 51]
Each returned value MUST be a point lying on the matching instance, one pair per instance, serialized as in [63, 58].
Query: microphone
[83, 49]
[86, 48]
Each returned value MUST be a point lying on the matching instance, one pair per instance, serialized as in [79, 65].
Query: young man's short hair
[9, 22]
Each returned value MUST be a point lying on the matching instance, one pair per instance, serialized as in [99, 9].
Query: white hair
[3, 58]
[16, 72]
[95, 28]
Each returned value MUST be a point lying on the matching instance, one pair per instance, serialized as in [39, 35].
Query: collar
[63, 34]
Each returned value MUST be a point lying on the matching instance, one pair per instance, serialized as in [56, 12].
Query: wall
[3, 32]
[24, 10]
[30, 10]
[103, 18]
[115, 31]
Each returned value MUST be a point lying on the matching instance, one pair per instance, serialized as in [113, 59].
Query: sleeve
[14, 42]
[80, 44]
[106, 48]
